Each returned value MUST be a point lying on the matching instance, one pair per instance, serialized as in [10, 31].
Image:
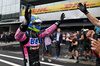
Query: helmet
[35, 20]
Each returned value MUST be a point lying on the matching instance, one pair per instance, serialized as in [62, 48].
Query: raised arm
[92, 19]
[20, 33]
[48, 31]
[52, 27]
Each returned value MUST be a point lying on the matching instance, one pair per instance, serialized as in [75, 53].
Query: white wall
[71, 14]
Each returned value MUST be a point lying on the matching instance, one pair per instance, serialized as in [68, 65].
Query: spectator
[58, 40]
[71, 33]
[86, 45]
[11, 36]
[47, 47]
[64, 37]
[79, 43]
[67, 43]
[67, 39]
[7, 37]
[78, 35]
[1, 38]
[75, 33]
[67, 34]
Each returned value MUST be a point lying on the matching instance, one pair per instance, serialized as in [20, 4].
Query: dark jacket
[60, 37]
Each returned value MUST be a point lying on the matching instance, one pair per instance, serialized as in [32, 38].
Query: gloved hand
[25, 24]
[27, 15]
[61, 19]
[83, 8]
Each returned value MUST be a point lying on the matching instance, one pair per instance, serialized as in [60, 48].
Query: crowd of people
[89, 38]
[74, 40]
[7, 37]
[66, 38]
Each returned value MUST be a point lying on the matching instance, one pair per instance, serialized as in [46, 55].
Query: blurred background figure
[47, 47]
[58, 42]
[86, 43]
[64, 38]
[73, 45]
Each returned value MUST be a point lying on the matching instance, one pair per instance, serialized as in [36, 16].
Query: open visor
[36, 21]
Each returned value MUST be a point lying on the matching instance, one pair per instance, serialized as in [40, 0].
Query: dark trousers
[57, 48]
[98, 61]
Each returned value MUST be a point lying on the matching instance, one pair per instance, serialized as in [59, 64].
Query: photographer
[74, 45]
[86, 43]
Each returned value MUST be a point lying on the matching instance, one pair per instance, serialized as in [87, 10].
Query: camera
[96, 36]
[84, 31]
[99, 35]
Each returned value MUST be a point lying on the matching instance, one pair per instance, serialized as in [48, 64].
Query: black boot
[72, 57]
[77, 60]
[85, 58]
[90, 59]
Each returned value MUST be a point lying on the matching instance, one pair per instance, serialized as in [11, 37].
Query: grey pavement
[12, 59]
[14, 48]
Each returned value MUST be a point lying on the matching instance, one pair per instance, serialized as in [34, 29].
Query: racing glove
[61, 19]
[83, 8]
[27, 15]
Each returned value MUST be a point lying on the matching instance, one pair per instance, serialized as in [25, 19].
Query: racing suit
[30, 44]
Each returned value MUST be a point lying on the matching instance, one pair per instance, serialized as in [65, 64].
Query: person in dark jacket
[58, 42]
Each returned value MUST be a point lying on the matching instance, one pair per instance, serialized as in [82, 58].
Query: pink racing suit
[30, 45]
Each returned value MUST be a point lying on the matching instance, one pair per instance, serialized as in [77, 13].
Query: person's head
[67, 36]
[71, 37]
[77, 32]
[75, 36]
[70, 33]
[58, 30]
[74, 33]
[5, 32]
[35, 23]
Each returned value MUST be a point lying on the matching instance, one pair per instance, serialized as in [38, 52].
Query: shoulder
[60, 33]
[55, 33]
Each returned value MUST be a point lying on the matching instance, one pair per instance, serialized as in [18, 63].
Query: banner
[66, 6]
